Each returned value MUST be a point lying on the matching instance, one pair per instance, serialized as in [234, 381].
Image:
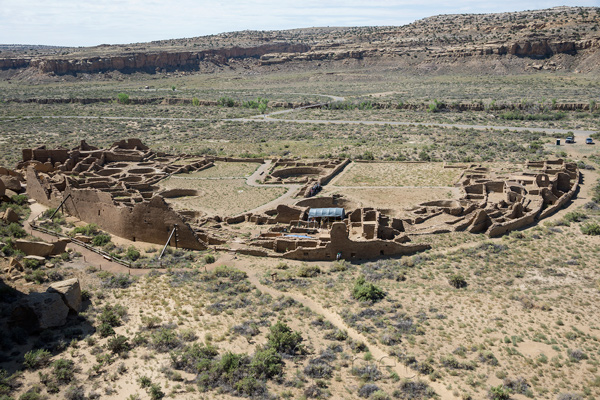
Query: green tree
[123, 98]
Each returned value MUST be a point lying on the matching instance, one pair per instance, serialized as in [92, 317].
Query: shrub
[379, 395]
[228, 272]
[19, 199]
[35, 359]
[225, 102]
[111, 315]
[367, 390]
[209, 259]
[569, 396]
[101, 239]
[250, 387]
[155, 392]
[193, 358]
[458, 281]
[590, 228]
[118, 281]
[284, 340]
[118, 344]
[309, 271]
[87, 230]
[15, 230]
[575, 216]
[436, 106]
[31, 263]
[145, 382]
[32, 394]
[366, 372]
[63, 370]
[123, 98]
[266, 363]
[151, 322]
[317, 369]
[410, 389]
[499, 393]
[366, 291]
[165, 339]
[449, 361]
[488, 357]
[339, 266]
[195, 101]
[105, 330]
[517, 385]
[74, 392]
[133, 253]
[7, 382]
[38, 276]
[577, 355]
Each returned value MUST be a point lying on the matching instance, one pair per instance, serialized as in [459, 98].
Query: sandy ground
[394, 198]
[398, 174]
[222, 196]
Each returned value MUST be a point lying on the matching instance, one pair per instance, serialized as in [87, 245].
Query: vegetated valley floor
[526, 322]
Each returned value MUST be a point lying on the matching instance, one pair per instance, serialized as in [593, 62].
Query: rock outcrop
[10, 216]
[70, 291]
[39, 311]
[11, 183]
[41, 249]
[538, 34]
[31, 248]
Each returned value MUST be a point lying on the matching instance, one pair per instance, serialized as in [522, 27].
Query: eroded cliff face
[147, 62]
[539, 34]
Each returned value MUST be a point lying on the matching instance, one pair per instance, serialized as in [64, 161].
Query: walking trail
[379, 355]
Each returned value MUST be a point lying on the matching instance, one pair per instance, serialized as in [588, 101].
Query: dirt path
[379, 355]
[261, 170]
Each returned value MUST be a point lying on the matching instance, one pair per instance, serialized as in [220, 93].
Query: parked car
[570, 139]
[589, 141]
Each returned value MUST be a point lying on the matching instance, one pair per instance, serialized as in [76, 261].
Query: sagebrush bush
[284, 340]
[63, 370]
[458, 281]
[35, 359]
[118, 344]
[366, 291]
[591, 228]
[132, 253]
[309, 271]
[101, 239]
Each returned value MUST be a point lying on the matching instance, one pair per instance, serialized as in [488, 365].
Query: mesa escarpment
[448, 39]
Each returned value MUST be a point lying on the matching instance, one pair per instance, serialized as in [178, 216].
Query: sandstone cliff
[541, 34]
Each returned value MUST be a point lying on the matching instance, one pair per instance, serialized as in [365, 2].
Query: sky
[94, 22]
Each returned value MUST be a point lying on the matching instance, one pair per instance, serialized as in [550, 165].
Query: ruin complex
[118, 189]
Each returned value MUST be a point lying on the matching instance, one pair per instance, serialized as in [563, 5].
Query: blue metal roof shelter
[326, 213]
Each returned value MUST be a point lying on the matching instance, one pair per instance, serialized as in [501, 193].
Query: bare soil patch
[399, 174]
[221, 196]
[395, 198]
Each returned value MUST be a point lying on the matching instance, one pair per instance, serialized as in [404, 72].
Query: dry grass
[225, 170]
[398, 174]
[221, 196]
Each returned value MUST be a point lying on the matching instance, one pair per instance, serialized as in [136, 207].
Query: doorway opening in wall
[381, 253]
[133, 239]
